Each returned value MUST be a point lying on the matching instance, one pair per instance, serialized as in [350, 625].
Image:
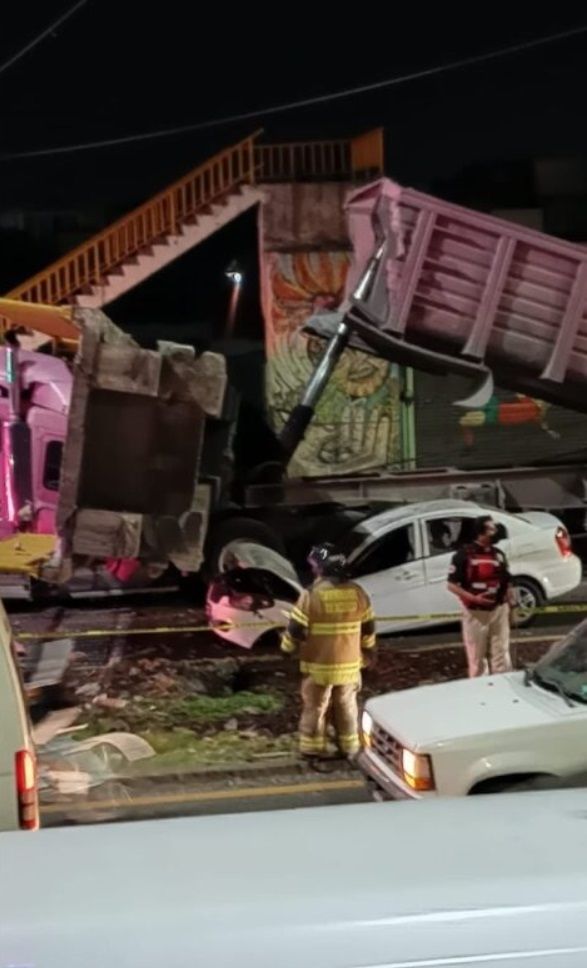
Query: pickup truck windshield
[564, 667]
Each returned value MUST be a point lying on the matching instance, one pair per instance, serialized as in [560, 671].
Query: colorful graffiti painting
[356, 427]
[514, 413]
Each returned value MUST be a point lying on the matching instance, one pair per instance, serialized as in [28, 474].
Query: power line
[40, 37]
[305, 102]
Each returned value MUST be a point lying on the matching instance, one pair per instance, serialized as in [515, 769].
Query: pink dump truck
[126, 455]
[34, 405]
[447, 290]
[444, 288]
[110, 459]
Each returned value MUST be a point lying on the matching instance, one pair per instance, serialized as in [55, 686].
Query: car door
[442, 535]
[389, 567]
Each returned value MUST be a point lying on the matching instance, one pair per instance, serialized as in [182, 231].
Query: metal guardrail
[352, 159]
[311, 160]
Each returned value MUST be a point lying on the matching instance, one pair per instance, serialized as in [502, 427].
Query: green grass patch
[167, 715]
[181, 750]
[212, 709]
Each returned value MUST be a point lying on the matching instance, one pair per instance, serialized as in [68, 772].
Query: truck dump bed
[132, 482]
[457, 290]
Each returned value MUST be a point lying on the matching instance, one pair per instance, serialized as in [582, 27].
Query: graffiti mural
[510, 429]
[518, 412]
[356, 427]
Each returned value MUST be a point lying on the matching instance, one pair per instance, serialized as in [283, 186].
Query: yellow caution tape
[230, 626]
[162, 630]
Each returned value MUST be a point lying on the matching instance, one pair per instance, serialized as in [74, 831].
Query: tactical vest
[486, 574]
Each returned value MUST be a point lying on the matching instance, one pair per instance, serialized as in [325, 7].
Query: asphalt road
[165, 799]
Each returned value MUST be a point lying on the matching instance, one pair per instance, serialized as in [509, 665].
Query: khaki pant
[487, 640]
[316, 701]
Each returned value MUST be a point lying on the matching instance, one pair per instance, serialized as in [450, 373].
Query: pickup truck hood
[427, 716]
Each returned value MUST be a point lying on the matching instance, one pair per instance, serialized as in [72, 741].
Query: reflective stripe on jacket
[330, 624]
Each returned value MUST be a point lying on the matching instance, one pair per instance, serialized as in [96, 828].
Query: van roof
[267, 888]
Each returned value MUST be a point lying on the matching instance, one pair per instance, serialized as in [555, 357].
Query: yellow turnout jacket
[331, 624]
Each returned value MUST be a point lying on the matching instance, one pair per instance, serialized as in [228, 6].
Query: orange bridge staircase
[126, 253]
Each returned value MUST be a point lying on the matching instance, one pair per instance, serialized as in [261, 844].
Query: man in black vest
[479, 576]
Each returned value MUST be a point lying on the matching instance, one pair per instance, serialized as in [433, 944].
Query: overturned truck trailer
[448, 290]
[121, 455]
[138, 433]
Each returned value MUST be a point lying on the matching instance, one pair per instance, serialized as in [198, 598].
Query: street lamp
[234, 273]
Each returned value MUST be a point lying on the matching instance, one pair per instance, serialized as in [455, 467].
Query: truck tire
[531, 597]
[235, 529]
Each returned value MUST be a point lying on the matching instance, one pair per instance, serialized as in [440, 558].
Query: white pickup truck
[481, 735]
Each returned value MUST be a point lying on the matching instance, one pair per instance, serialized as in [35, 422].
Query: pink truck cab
[35, 393]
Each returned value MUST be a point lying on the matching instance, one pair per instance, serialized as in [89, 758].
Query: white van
[19, 805]
[480, 882]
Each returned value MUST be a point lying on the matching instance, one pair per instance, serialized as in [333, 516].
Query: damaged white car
[401, 557]
[252, 596]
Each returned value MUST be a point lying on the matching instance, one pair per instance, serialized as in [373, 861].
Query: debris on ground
[199, 704]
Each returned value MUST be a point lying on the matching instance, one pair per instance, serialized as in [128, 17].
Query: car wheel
[529, 597]
[238, 529]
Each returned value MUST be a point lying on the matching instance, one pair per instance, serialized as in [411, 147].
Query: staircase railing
[303, 159]
[93, 260]
[245, 163]
[352, 159]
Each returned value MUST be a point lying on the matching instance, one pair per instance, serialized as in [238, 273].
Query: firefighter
[480, 578]
[331, 624]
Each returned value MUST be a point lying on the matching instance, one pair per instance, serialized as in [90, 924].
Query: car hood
[435, 715]
[251, 555]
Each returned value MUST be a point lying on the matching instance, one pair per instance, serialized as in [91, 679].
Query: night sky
[124, 66]
[119, 67]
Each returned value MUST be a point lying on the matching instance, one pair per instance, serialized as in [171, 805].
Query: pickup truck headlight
[366, 728]
[417, 770]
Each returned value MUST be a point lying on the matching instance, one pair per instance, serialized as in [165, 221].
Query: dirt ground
[199, 703]
[203, 710]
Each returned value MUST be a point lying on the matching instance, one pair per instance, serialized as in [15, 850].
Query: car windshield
[349, 542]
[564, 667]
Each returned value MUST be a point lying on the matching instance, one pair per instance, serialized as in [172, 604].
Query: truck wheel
[530, 597]
[238, 529]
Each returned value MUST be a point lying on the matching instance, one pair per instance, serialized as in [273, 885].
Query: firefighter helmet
[326, 561]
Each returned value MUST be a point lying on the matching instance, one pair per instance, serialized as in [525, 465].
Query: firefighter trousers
[487, 640]
[316, 702]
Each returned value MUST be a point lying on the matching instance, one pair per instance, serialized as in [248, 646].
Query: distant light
[234, 273]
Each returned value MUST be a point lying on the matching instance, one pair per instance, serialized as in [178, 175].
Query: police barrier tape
[229, 626]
